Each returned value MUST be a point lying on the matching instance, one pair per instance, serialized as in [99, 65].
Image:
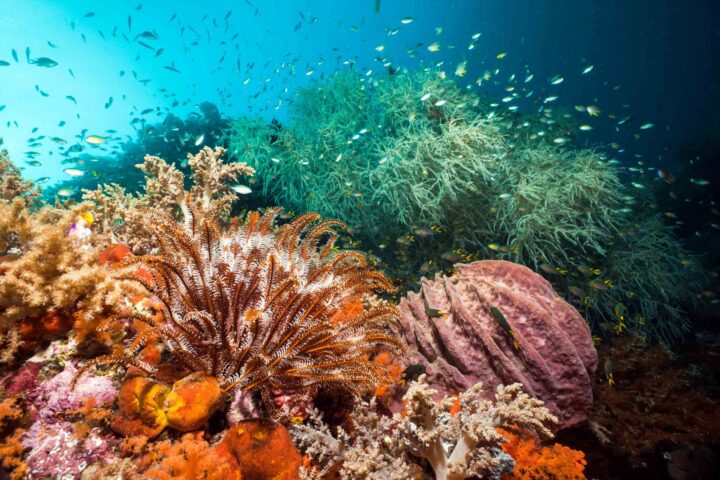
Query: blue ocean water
[654, 61]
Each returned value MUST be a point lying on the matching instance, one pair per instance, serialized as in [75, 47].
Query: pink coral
[56, 395]
[554, 357]
[56, 451]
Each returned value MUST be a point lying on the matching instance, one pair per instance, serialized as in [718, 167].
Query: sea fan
[253, 305]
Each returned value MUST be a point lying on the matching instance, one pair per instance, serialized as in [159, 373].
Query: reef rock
[450, 328]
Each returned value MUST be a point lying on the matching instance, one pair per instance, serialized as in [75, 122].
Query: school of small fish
[534, 102]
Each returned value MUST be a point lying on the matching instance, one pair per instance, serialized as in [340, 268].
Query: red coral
[536, 462]
[114, 254]
[48, 327]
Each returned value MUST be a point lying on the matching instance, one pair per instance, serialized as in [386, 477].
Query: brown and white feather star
[253, 305]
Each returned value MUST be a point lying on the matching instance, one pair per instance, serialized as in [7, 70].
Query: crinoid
[253, 306]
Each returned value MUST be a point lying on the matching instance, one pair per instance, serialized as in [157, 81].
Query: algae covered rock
[452, 326]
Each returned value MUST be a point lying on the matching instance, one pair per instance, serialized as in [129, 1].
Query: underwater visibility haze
[376, 239]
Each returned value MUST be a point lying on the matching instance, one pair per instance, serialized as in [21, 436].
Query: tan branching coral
[210, 176]
[49, 272]
[12, 185]
[253, 306]
[16, 226]
[458, 436]
[121, 215]
[370, 452]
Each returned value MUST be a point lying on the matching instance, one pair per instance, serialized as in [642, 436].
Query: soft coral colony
[242, 332]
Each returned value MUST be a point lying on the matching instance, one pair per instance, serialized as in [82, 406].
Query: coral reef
[190, 457]
[253, 306]
[171, 139]
[422, 174]
[122, 216]
[659, 400]
[54, 444]
[533, 336]
[13, 186]
[654, 305]
[458, 437]
[48, 278]
[408, 166]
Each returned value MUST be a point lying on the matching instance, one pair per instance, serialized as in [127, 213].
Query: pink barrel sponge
[451, 328]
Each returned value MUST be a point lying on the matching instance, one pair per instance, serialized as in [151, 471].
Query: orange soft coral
[49, 326]
[351, 309]
[11, 451]
[261, 451]
[535, 462]
[114, 254]
[189, 458]
[389, 373]
[10, 412]
[89, 415]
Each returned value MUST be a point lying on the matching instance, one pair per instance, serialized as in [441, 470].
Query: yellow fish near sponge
[505, 326]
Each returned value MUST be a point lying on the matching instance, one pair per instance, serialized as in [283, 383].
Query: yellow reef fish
[95, 139]
[505, 326]
[609, 372]
[435, 313]
[88, 217]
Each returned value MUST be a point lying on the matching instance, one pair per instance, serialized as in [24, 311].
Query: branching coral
[369, 451]
[12, 185]
[457, 436]
[654, 304]
[555, 206]
[52, 273]
[410, 163]
[121, 215]
[252, 306]
[415, 153]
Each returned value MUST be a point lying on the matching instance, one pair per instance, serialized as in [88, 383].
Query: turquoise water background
[652, 60]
